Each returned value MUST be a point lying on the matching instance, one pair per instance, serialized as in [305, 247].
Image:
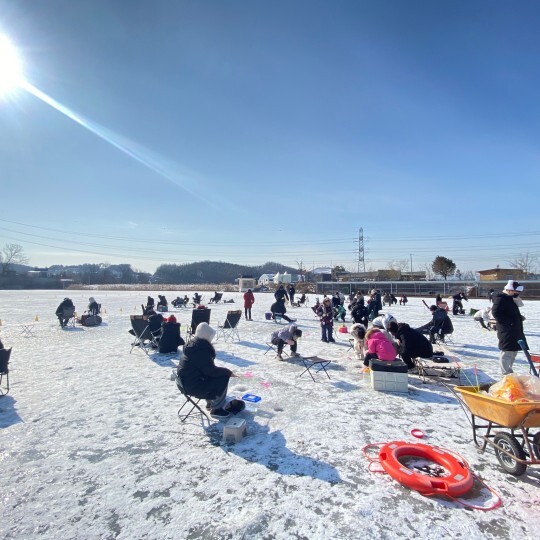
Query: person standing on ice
[249, 300]
[281, 294]
[326, 316]
[509, 323]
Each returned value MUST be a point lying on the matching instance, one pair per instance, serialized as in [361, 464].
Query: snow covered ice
[92, 447]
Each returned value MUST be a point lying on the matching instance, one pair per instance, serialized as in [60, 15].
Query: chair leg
[195, 405]
[2, 391]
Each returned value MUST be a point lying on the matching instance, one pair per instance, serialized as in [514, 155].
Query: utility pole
[361, 260]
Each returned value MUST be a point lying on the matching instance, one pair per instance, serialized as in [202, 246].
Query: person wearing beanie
[200, 376]
[170, 338]
[509, 324]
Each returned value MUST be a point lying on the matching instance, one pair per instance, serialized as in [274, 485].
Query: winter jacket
[326, 315]
[155, 321]
[281, 295]
[509, 322]
[286, 334]
[359, 314]
[170, 337]
[66, 303]
[412, 343]
[93, 308]
[483, 315]
[278, 307]
[249, 299]
[199, 375]
[379, 345]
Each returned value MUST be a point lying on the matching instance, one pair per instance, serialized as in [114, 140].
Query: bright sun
[10, 67]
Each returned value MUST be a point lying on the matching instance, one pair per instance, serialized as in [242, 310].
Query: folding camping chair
[229, 328]
[4, 371]
[316, 364]
[272, 347]
[216, 298]
[198, 316]
[143, 336]
[194, 402]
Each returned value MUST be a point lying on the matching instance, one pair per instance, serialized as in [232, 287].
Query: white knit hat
[205, 331]
[513, 286]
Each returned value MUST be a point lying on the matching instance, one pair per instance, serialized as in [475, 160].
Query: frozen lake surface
[92, 447]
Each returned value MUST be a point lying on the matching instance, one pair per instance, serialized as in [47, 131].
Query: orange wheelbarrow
[515, 449]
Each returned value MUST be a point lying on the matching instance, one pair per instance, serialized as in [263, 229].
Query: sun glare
[11, 74]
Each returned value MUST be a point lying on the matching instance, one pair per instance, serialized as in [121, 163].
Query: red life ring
[458, 482]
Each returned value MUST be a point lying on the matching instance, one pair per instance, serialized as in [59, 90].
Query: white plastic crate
[387, 381]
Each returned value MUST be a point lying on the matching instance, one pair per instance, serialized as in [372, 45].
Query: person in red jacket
[249, 300]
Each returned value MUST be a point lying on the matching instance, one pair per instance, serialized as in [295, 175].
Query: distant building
[502, 274]
[266, 279]
[245, 283]
[38, 272]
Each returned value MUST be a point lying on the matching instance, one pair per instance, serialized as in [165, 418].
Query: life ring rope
[433, 453]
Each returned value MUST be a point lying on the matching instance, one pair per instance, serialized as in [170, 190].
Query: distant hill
[214, 272]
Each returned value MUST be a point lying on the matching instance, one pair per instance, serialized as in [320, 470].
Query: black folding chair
[316, 364]
[229, 329]
[197, 317]
[4, 371]
[144, 338]
[194, 402]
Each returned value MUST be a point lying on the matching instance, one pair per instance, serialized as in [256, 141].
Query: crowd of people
[385, 340]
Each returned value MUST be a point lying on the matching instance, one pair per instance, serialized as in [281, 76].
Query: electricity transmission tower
[361, 260]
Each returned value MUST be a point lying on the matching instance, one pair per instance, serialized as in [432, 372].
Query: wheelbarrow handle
[523, 345]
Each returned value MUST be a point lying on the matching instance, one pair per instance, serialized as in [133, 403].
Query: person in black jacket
[509, 323]
[93, 306]
[155, 320]
[281, 294]
[279, 307]
[66, 303]
[170, 338]
[440, 324]
[149, 302]
[200, 376]
[411, 343]
[359, 312]
[292, 291]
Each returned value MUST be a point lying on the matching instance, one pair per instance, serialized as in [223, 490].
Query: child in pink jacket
[378, 346]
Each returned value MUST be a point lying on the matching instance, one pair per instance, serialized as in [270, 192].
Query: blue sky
[248, 131]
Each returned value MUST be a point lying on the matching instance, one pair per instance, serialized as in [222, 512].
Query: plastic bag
[516, 388]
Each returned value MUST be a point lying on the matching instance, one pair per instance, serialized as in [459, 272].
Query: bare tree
[12, 254]
[400, 265]
[429, 272]
[301, 268]
[526, 262]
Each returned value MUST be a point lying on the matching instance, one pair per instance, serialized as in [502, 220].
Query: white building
[266, 279]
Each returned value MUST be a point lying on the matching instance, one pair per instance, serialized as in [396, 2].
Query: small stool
[235, 428]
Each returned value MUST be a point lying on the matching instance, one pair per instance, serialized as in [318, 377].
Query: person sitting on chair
[93, 307]
[302, 300]
[162, 304]
[155, 320]
[403, 300]
[197, 298]
[287, 335]
[177, 302]
[200, 376]
[411, 343]
[150, 302]
[378, 346]
[278, 307]
[186, 300]
[66, 303]
[483, 316]
[440, 324]
[170, 338]
[213, 299]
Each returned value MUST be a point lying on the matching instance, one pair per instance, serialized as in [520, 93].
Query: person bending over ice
[410, 342]
[200, 376]
[378, 346]
[483, 316]
[287, 335]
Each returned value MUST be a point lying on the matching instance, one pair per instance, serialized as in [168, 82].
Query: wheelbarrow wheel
[536, 445]
[508, 443]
